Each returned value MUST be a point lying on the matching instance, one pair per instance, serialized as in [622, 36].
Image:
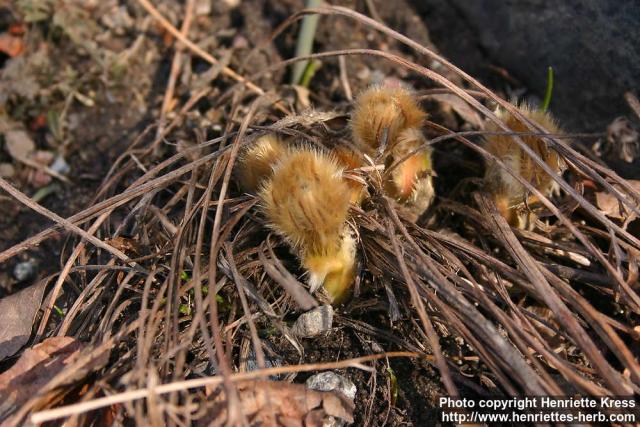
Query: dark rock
[591, 44]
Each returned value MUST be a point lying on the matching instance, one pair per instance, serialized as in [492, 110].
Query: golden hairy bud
[381, 113]
[510, 195]
[256, 162]
[306, 201]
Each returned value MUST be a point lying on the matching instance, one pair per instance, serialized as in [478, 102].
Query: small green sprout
[393, 382]
[58, 311]
[549, 91]
[309, 72]
[185, 309]
[304, 44]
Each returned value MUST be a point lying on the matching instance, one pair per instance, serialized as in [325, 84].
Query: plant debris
[17, 313]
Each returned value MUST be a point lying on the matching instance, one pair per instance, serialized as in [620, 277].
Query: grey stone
[60, 165]
[330, 381]
[25, 270]
[591, 44]
[313, 322]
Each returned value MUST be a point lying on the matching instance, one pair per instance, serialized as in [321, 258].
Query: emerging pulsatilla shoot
[410, 182]
[307, 202]
[381, 113]
[257, 161]
[387, 120]
[511, 197]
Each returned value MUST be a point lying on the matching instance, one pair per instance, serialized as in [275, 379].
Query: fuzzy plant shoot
[306, 201]
[511, 197]
[380, 114]
[387, 122]
[257, 160]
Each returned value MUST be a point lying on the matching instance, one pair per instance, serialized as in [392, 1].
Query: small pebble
[60, 165]
[331, 421]
[330, 381]
[25, 270]
[314, 322]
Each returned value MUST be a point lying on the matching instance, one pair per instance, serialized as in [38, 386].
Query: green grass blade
[304, 44]
[549, 91]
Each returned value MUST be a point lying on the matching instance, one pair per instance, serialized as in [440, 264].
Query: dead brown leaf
[611, 206]
[461, 108]
[290, 404]
[18, 144]
[17, 312]
[7, 170]
[124, 244]
[34, 369]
